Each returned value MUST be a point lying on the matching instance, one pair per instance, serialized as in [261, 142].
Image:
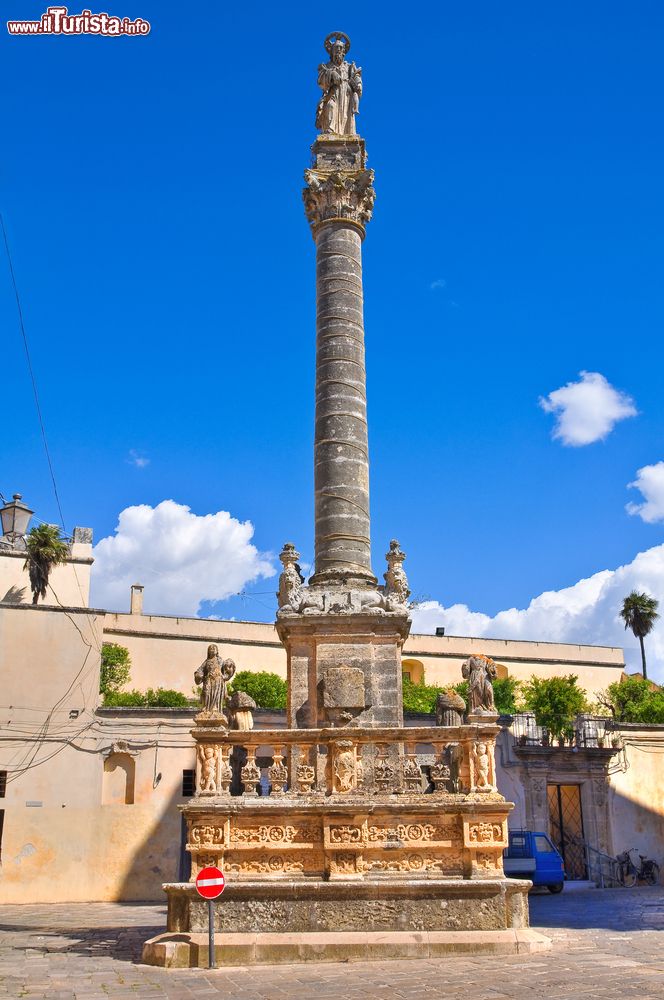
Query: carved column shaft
[338, 202]
[341, 446]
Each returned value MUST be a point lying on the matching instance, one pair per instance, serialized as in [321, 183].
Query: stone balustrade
[318, 763]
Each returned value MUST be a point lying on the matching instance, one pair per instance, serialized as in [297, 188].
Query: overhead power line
[32, 374]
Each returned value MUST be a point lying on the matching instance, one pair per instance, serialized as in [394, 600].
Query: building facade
[89, 795]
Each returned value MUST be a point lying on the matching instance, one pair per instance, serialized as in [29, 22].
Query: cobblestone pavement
[607, 945]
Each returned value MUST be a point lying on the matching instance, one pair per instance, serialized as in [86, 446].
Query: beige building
[164, 651]
[88, 796]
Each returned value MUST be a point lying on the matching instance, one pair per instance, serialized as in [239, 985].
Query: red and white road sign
[210, 883]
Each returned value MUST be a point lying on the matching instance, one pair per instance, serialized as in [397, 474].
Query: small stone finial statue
[450, 708]
[214, 674]
[396, 582]
[291, 580]
[241, 706]
[341, 83]
[480, 671]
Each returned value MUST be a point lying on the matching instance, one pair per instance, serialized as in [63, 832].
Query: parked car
[532, 855]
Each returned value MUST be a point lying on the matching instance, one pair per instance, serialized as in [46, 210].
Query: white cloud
[587, 410]
[181, 558]
[650, 481]
[438, 283]
[136, 459]
[587, 612]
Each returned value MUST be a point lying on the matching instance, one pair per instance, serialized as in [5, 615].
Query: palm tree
[45, 550]
[639, 612]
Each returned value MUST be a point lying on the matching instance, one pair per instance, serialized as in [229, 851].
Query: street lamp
[15, 519]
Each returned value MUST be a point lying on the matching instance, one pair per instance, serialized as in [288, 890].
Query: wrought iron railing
[601, 868]
[588, 732]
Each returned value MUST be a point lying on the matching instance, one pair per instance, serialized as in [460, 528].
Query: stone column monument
[344, 833]
[343, 618]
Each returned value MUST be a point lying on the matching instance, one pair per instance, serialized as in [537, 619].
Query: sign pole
[210, 883]
[211, 963]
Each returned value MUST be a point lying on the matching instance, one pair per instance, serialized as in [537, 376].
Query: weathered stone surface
[343, 687]
[370, 642]
[266, 948]
[341, 447]
[432, 904]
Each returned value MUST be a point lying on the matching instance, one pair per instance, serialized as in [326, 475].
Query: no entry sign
[210, 882]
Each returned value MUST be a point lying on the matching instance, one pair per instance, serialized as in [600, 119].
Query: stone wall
[165, 651]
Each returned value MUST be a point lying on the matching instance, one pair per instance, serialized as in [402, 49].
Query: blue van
[532, 855]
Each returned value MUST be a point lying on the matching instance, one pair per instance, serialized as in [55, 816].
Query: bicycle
[646, 871]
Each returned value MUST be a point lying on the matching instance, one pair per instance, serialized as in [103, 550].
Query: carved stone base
[308, 905]
[368, 639]
[178, 951]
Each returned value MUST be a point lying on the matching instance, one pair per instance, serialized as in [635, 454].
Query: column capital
[339, 186]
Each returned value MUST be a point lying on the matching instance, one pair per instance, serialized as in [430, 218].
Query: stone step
[174, 950]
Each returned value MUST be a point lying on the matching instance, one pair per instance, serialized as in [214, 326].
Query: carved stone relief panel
[205, 860]
[487, 864]
[344, 863]
[270, 864]
[448, 863]
[346, 773]
[301, 833]
[485, 831]
[208, 832]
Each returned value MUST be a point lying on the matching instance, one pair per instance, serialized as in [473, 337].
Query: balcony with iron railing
[588, 732]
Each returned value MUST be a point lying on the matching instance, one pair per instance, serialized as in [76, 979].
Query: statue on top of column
[341, 83]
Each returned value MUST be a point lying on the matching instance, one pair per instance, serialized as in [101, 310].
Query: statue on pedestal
[341, 83]
[214, 674]
[480, 671]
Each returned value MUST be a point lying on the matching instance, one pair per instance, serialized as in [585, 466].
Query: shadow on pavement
[638, 909]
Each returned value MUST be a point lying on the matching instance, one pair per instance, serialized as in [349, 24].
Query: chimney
[136, 604]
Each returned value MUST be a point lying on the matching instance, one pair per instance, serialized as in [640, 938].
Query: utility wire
[32, 374]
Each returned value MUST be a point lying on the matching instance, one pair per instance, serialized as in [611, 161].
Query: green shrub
[115, 667]
[419, 697]
[152, 698]
[556, 701]
[166, 698]
[124, 699]
[268, 690]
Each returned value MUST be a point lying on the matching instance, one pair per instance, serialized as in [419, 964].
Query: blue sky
[151, 193]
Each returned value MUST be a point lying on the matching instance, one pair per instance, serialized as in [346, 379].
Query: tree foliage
[115, 667]
[556, 701]
[507, 695]
[639, 613]
[267, 689]
[45, 551]
[634, 699]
